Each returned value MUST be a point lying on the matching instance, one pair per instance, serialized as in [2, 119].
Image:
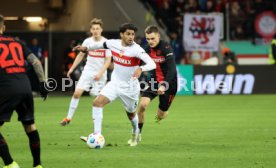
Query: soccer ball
[95, 141]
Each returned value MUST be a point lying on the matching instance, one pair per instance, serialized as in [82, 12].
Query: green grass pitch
[200, 132]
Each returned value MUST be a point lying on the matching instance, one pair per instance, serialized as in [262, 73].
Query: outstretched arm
[77, 61]
[104, 68]
[94, 46]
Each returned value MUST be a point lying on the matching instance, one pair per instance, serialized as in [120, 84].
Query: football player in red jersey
[16, 93]
[163, 79]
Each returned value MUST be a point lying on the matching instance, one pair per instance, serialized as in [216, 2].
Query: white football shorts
[127, 92]
[87, 81]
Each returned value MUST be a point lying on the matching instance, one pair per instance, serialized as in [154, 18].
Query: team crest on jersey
[121, 53]
[158, 52]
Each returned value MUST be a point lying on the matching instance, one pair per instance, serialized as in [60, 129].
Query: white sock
[134, 123]
[97, 115]
[72, 108]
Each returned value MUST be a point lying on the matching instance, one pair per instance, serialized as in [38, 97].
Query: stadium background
[201, 131]
[65, 23]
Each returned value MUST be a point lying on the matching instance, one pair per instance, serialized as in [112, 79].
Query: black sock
[140, 125]
[34, 143]
[4, 151]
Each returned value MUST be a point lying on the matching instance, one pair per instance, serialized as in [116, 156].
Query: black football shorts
[22, 103]
[166, 99]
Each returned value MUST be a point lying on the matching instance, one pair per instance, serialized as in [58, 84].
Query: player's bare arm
[90, 47]
[104, 68]
[80, 48]
[77, 61]
[32, 59]
[137, 73]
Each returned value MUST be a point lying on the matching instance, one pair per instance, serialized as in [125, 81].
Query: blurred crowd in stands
[238, 14]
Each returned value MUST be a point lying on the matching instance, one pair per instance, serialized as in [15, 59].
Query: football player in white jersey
[94, 73]
[124, 80]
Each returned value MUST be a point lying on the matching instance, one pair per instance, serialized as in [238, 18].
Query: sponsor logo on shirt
[158, 60]
[121, 60]
[97, 53]
[125, 60]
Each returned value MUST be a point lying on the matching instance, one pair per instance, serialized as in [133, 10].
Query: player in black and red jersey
[16, 94]
[163, 79]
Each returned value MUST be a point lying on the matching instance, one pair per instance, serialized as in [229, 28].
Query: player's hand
[80, 48]
[98, 77]
[69, 73]
[161, 90]
[43, 90]
[137, 73]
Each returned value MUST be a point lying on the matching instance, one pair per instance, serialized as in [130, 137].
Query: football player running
[124, 80]
[163, 81]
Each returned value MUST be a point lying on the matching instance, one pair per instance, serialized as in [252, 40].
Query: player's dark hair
[127, 26]
[151, 29]
[1, 20]
[96, 21]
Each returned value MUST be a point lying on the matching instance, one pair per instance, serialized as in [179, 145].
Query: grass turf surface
[200, 132]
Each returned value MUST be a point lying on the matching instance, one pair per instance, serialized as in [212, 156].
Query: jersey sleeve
[168, 51]
[169, 57]
[85, 43]
[148, 62]
[108, 44]
[95, 46]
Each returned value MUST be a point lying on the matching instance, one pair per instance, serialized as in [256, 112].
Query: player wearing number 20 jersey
[12, 70]
[15, 93]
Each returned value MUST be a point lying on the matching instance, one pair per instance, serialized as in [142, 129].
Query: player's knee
[29, 127]
[143, 106]
[97, 103]
[76, 95]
